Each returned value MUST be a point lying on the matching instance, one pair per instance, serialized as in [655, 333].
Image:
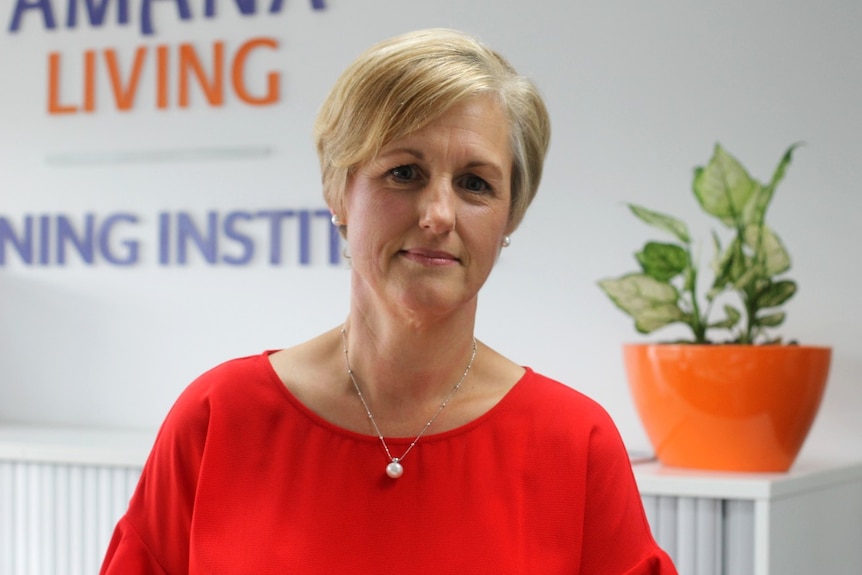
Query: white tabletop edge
[653, 478]
[75, 445]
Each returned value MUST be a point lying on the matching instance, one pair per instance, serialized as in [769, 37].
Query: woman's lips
[430, 257]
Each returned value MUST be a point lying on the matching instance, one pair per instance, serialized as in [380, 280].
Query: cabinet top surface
[84, 446]
[807, 474]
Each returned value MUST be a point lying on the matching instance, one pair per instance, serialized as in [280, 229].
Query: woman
[397, 443]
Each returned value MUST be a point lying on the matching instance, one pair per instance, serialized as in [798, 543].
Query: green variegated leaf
[663, 222]
[722, 268]
[755, 210]
[747, 279]
[781, 168]
[776, 294]
[652, 304]
[718, 256]
[735, 272]
[724, 187]
[652, 318]
[770, 320]
[732, 316]
[769, 251]
[662, 261]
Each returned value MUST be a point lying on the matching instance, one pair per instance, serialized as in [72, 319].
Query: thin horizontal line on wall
[164, 155]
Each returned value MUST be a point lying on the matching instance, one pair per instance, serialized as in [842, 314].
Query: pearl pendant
[394, 469]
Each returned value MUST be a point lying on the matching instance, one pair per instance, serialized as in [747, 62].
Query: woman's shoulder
[559, 403]
[241, 364]
[224, 397]
[565, 419]
[230, 385]
[541, 387]
[237, 372]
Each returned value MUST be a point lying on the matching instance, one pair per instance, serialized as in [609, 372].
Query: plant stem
[746, 336]
[698, 323]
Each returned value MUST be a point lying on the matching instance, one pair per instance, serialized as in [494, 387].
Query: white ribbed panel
[704, 536]
[739, 536]
[57, 519]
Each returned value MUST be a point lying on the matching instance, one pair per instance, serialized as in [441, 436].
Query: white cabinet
[62, 490]
[806, 521]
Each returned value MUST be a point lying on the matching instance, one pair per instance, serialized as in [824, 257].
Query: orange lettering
[209, 74]
[162, 77]
[189, 62]
[54, 107]
[272, 84]
[89, 80]
[125, 98]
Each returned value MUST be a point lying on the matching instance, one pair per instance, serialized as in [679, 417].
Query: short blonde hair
[402, 84]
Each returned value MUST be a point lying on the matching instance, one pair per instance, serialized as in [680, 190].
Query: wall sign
[174, 70]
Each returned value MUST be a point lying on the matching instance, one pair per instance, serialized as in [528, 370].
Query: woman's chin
[431, 301]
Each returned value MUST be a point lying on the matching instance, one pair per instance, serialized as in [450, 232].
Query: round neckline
[320, 421]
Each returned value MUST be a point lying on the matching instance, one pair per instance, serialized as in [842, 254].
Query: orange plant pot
[727, 407]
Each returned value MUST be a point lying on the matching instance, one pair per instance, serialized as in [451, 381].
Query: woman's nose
[438, 207]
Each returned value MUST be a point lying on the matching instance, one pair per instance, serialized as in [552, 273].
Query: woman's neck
[407, 360]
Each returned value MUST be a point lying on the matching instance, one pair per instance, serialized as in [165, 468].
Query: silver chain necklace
[394, 469]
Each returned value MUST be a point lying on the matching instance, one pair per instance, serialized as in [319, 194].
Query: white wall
[638, 92]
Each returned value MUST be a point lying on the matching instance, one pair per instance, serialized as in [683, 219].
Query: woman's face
[426, 217]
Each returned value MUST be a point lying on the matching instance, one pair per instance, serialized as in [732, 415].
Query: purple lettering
[22, 5]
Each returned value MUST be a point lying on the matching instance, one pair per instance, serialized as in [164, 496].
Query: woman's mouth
[429, 257]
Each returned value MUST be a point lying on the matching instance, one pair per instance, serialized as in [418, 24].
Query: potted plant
[732, 396]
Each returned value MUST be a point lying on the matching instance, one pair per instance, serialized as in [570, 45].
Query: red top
[243, 478]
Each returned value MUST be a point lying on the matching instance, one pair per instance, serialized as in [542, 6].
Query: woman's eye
[403, 172]
[475, 184]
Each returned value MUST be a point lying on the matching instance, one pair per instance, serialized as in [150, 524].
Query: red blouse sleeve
[153, 535]
[128, 554]
[616, 531]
